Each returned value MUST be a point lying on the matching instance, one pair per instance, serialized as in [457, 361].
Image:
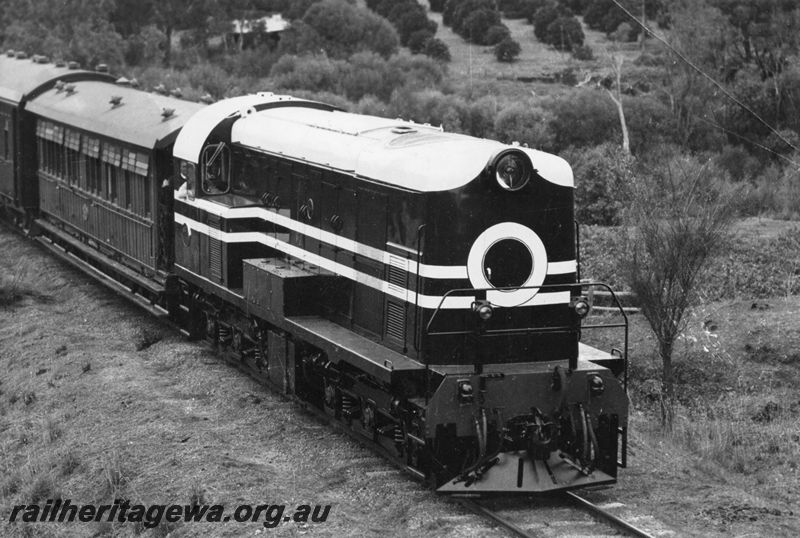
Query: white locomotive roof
[405, 154]
[401, 153]
[193, 136]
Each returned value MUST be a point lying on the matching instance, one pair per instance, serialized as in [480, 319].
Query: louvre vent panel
[396, 321]
[396, 276]
[215, 257]
[214, 246]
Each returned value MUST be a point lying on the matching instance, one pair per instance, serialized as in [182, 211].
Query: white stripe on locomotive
[446, 272]
[425, 301]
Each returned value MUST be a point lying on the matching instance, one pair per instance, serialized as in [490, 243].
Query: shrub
[345, 29]
[544, 17]
[418, 40]
[437, 49]
[314, 73]
[526, 124]
[496, 34]
[564, 33]
[520, 9]
[413, 21]
[507, 50]
[431, 106]
[415, 72]
[738, 162]
[583, 117]
[623, 33]
[602, 175]
[437, 6]
[477, 24]
[651, 123]
[583, 53]
[365, 73]
[482, 116]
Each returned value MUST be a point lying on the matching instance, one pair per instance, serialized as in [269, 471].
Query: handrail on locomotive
[481, 329]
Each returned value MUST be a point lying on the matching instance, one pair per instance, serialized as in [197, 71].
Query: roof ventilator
[115, 101]
[73, 65]
[11, 53]
[403, 129]
[59, 86]
[101, 68]
[122, 81]
[21, 55]
[167, 113]
[69, 88]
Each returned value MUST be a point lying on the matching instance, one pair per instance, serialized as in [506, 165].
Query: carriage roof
[116, 111]
[24, 77]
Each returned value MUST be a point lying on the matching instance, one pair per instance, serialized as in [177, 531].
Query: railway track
[552, 517]
[518, 519]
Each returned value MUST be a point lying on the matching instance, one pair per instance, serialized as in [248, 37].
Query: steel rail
[608, 516]
[481, 510]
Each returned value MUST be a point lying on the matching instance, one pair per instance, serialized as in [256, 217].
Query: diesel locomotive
[419, 286]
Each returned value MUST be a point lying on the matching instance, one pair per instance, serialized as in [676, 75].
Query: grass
[473, 67]
[737, 363]
[762, 260]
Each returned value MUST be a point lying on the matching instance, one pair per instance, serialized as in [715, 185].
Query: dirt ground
[99, 402]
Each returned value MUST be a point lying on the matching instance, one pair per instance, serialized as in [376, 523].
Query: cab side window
[216, 172]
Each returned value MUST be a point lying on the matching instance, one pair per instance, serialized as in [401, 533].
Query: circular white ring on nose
[493, 235]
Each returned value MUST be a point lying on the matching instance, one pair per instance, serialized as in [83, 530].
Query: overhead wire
[711, 79]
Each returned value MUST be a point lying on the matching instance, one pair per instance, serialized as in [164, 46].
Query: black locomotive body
[417, 285]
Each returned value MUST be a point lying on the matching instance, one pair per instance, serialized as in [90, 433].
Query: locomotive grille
[396, 276]
[214, 247]
[396, 321]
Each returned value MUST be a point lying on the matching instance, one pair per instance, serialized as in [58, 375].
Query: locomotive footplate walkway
[362, 352]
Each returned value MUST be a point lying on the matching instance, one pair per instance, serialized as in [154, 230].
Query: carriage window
[216, 168]
[90, 148]
[51, 150]
[134, 172]
[72, 144]
[111, 157]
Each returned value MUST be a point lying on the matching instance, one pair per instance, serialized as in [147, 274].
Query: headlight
[581, 306]
[596, 385]
[512, 170]
[484, 309]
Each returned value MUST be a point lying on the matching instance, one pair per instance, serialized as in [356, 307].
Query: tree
[496, 34]
[543, 18]
[344, 29]
[565, 33]
[507, 50]
[418, 40]
[476, 25]
[524, 123]
[437, 49]
[71, 30]
[616, 96]
[678, 219]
